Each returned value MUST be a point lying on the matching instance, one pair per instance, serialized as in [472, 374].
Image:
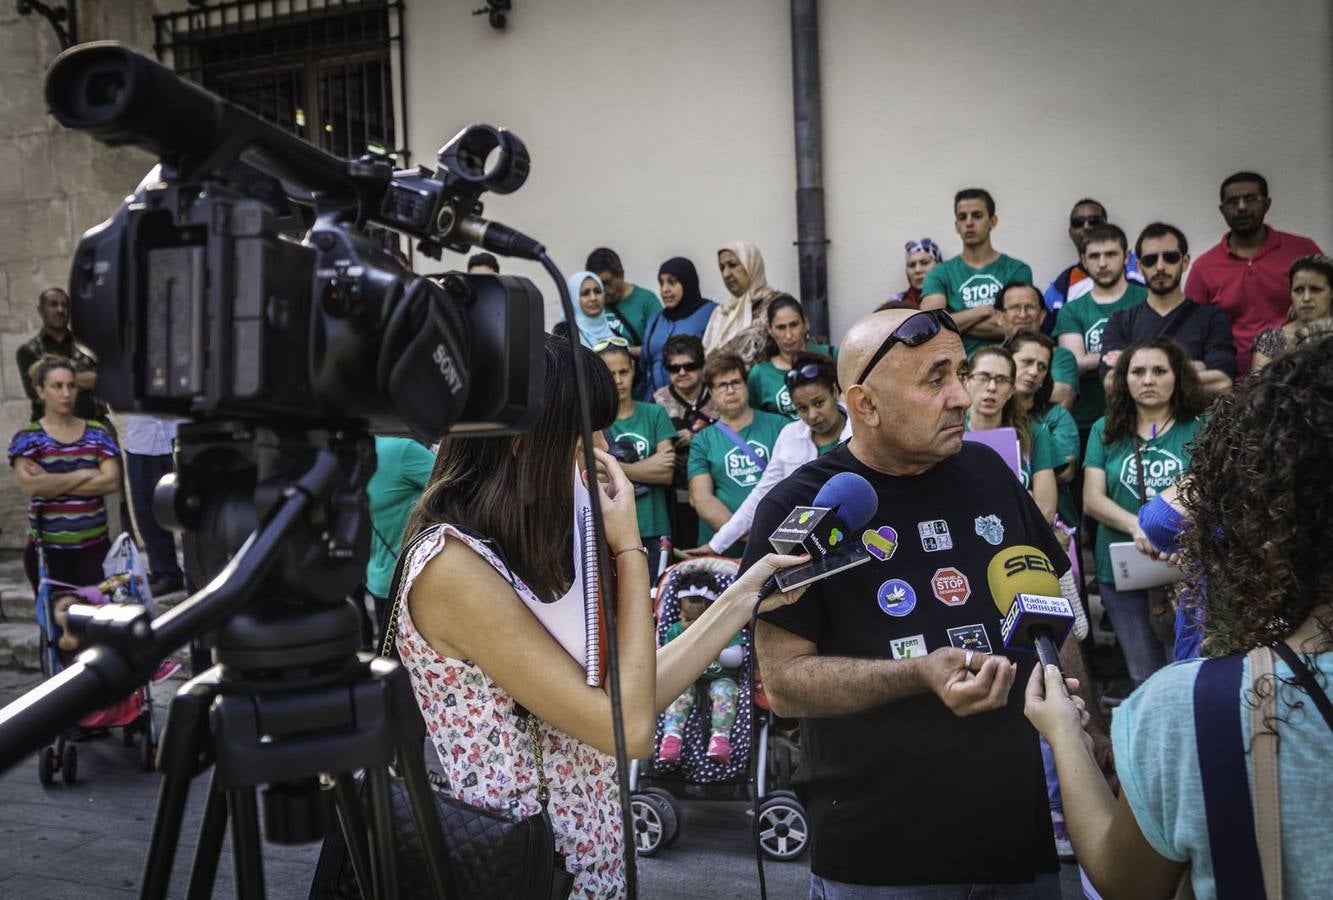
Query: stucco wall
[54, 184]
[665, 128]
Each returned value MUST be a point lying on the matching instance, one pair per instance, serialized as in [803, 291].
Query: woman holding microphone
[499, 694]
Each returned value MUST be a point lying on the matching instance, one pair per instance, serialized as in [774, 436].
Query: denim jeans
[1144, 653]
[144, 474]
[1045, 887]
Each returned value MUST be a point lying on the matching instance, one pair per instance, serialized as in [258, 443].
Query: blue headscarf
[925, 245]
[591, 328]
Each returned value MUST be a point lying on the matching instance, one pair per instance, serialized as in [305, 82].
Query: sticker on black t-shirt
[970, 637]
[896, 597]
[909, 647]
[991, 529]
[882, 542]
[934, 535]
[950, 586]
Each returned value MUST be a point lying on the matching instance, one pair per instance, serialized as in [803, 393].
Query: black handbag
[490, 856]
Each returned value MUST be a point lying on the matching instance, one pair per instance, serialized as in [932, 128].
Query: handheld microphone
[1026, 590]
[826, 530]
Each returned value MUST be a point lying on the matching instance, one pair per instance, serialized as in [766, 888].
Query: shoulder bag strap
[396, 594]
[740, 442]
[1179, 321]
[1307, 680]
[1138, 462]
[1263, 750]
[1226, 785]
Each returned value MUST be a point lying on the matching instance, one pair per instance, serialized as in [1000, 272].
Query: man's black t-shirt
[908, 792]
[1202, 329]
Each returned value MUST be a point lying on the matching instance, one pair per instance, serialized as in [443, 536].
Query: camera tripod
[289, 700]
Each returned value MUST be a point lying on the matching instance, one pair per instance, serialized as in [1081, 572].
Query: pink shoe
[165, 669]
[719, 748]
[670, 749]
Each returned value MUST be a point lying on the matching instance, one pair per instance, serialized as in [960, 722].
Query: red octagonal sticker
[950, 586]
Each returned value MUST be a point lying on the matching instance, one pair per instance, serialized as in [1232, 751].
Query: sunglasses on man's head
[799, 376]
[682, 368]
[609, 342]
[1080, 221]
[1148, 260]
[914, 331]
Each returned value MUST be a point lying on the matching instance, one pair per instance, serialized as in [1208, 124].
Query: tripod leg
[384, 865]
[353, 828]
[247, 855]
[204, 868]
[184, 743]
[404, 719]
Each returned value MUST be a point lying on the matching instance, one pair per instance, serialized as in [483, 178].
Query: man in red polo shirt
[1246, 273]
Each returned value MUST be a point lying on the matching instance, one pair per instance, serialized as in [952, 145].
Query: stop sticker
[950, 586]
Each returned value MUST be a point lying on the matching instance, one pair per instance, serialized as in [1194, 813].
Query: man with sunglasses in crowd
[691, 409]
[1203, 330]
[1245, 274]
[1076, 281]
[918, 767]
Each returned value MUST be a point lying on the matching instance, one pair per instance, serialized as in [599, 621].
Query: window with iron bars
[325, 70]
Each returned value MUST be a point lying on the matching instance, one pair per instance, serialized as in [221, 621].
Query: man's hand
[968, 682]
[1110, 357]
[695, 552]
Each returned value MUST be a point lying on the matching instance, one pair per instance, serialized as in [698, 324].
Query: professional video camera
[287, 351]
[196, 304]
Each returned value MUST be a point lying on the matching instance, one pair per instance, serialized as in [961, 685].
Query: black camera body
[199, 302]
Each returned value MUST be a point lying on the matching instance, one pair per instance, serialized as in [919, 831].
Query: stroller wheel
[147, 753]
[670, 813]
[649, 824]
[783, 830]
[69, 764]
[46, 764]
[127, 735]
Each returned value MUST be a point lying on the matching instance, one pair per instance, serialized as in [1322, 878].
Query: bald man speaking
[920, 776]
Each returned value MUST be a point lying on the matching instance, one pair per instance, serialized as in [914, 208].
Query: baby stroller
[655, 786]
[133, 715]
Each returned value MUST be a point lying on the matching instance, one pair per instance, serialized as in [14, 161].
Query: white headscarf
[735, 316]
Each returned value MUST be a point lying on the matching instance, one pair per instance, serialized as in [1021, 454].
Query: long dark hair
[519, 490]
[775, 306]
[1041, 397]
[1188, 400]
[1260, 502]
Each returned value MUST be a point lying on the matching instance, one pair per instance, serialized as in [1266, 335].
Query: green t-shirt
[1087, 318]
[768, 384]
[1060, 425]
[648, 426]
[734, 473]
[967, 288]
[1064, 368]
[1042, 455]
[714, 670]
[635, 310]
[1164, 458]
[402, 469]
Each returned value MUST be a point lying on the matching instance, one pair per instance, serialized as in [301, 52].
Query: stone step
[18, 646]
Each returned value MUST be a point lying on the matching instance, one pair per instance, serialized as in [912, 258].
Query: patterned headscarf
[925, 245]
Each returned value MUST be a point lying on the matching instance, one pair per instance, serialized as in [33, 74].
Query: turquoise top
[1156, 758]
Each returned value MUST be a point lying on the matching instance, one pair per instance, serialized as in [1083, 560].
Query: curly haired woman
[1260, 496]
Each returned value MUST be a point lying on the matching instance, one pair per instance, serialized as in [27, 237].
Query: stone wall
[54, 184]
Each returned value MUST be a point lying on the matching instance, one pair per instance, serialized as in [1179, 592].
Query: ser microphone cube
[809, 529]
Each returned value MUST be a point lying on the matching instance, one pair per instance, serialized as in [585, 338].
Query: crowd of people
[1141, 404]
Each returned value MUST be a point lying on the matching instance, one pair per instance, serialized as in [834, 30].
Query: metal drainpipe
[807, 109]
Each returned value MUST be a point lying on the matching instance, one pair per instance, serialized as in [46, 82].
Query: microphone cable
[603, 568]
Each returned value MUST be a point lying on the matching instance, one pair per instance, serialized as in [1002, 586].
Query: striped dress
[67, 523]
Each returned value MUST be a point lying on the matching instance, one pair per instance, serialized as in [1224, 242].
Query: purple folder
[1003, 441]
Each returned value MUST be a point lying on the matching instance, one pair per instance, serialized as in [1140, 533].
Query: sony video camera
[197, 301]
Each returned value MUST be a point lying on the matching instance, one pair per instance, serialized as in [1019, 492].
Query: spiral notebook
[576, 619]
